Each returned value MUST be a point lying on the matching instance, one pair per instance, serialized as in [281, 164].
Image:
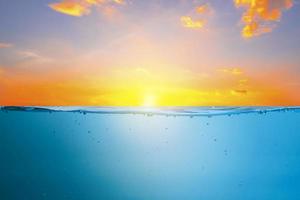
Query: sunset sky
[150, 52]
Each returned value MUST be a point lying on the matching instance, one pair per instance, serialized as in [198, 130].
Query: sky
[150, 53]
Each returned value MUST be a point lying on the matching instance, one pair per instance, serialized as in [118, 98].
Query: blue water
[90, 153]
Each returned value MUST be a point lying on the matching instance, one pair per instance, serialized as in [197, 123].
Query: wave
[167, 111]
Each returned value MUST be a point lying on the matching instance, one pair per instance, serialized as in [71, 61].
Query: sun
[149, 100]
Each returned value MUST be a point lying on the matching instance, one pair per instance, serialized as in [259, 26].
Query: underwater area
[80, 153]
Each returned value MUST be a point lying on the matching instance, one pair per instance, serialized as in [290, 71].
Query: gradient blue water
[72, 155]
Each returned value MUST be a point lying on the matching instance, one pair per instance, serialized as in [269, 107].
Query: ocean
[166, 153]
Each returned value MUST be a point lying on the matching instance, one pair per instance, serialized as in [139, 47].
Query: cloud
[233, 71]
[79, 8]
[120, 1]
[260, 15]
[188, 22]
[204, 9]
[5, 45]
[71, 8]
[197, 19]
[29, 55]
[239, 92]
[33, 56]
[243, 81]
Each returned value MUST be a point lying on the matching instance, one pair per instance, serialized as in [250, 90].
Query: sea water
[95, 153]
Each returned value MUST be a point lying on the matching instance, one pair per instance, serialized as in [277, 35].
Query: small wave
[167, 111]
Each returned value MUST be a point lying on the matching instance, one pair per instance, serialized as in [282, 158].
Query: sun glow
[150, 100]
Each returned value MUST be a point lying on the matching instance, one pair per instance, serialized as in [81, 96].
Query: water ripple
[168, 111]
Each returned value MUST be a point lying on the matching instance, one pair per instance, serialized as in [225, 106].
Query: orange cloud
[71, 8]
[239, 92]
[188, 22]
[5, 45]
[79, 8]
[204, 9]
[260, 14]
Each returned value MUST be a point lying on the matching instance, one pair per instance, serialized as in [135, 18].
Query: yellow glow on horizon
[149, 100]
[148, 87]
